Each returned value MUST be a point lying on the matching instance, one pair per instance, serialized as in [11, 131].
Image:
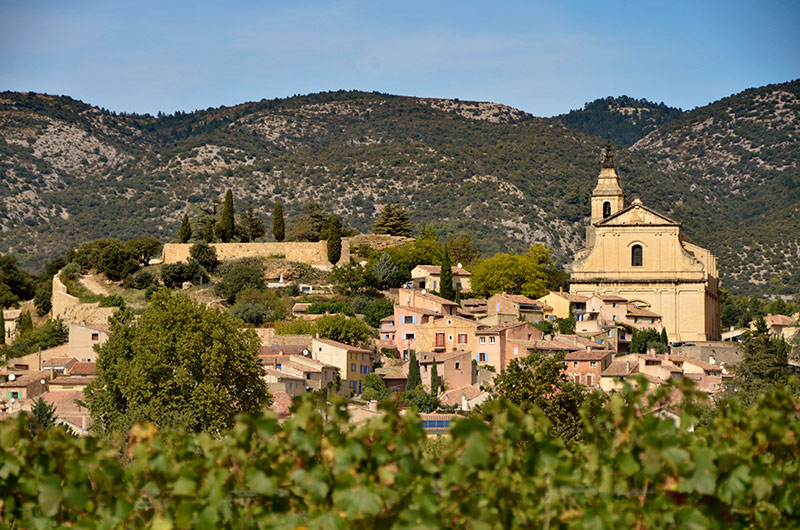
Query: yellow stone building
[641, 255]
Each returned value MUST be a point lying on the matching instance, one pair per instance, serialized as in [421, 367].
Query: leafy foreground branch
[631, 469]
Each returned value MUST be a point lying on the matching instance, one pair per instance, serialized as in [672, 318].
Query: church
[639, 254]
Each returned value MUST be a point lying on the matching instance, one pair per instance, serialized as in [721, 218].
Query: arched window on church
[606, 209]
[636, 255]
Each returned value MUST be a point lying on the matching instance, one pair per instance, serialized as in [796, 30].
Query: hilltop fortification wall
[314, 254]
[70, 309]
[61, 299]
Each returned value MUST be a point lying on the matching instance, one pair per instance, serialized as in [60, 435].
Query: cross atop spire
[608, 160]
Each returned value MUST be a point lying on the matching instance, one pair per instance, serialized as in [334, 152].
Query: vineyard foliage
[313, 471]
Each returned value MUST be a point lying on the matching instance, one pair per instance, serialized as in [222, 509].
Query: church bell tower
[607, 197]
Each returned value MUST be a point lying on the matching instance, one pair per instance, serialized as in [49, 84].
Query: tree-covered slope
[71, 172]
[742, 155]
[623, 120]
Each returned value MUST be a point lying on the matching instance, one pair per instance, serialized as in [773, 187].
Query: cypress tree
[334, 234]
[227, 225]
[446, 277]
[208, 231]
[414, 379]
[664, 338]
[25, 323]
[278, 228]
[185, 233]
[2, 327]
[434, 380]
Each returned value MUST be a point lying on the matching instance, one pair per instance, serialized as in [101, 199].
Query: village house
[585, 366]
[84, 337]
[781, 326]
[496, 344]
[657, 369]
[58, 365]
[503, 307]
[353, 363]
[69, 383]
[455, 368]
[429, 277]
[477, 307]
[413, 308]
[282, 382]
[11, 318]
[707, 376]
[446, 333]
[465, 398]
[26, 386]
[317, 375]
[561, 303]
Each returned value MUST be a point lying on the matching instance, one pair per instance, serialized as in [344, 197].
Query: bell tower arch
[607, 197]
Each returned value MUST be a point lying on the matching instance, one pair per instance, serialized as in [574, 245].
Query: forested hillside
[70, 172]
[623, 120]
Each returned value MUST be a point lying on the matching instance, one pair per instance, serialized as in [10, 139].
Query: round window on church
[636, 255]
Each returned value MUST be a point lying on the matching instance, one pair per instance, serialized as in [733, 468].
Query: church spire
[607, 197]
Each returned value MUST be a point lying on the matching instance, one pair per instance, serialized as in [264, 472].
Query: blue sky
[543, 57]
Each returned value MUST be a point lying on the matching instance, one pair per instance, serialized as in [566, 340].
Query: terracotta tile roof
[59, 361]
[399, 371]
[427, 357]
[25, 379]
[281, 375]
[300, 307]
[432, 297]
[695, 362]
[570, 297]
[436, 269]
[71, 380]
[556, 345]
[620, 369]
[105, 328]
[780, 320]
[453, 397]
[286, 349]
[611, 298]
[474, 302]
[587, 355]
[83, 369]
[641, 312]
[346, 347]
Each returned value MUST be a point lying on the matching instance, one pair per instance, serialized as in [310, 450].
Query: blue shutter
[414, 320]
[498, 308]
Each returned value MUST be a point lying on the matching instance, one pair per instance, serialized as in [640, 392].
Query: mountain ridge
[74, 172]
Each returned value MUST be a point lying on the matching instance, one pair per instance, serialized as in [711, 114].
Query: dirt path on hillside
[90, 283]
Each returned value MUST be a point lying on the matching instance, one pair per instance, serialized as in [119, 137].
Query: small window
[462, 338]
[308, 375]
[483, 340]
[516, 350]
[353, 367]
[95, 336]
[482, 357]
[408, 320]
[636, 256]
[593, 364]
[458, 366]
[491, 340]
[574, 364]
[606, 209]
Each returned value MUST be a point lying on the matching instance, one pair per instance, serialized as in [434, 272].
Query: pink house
[415, 308]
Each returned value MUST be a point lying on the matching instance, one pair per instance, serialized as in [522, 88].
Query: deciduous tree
[179, 364]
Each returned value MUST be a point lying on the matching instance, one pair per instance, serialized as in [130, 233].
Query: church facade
[639, 254]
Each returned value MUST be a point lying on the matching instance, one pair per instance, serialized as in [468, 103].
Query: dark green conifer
[185, 233]
[278, 227]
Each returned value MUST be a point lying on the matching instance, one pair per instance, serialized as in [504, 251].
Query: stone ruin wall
[314, 254]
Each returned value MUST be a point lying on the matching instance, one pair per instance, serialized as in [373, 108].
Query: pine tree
[185, 233]
[278, 227]
[446, 277]
[25, 323]
[253, 225]
[226, 226]
[434, 380]
[414, 379]
[44, 414]
[386, 271]
[208, 231]
[334, 235]
[393, 220]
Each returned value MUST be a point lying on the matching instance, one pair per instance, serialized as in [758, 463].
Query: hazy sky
[543, 57]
